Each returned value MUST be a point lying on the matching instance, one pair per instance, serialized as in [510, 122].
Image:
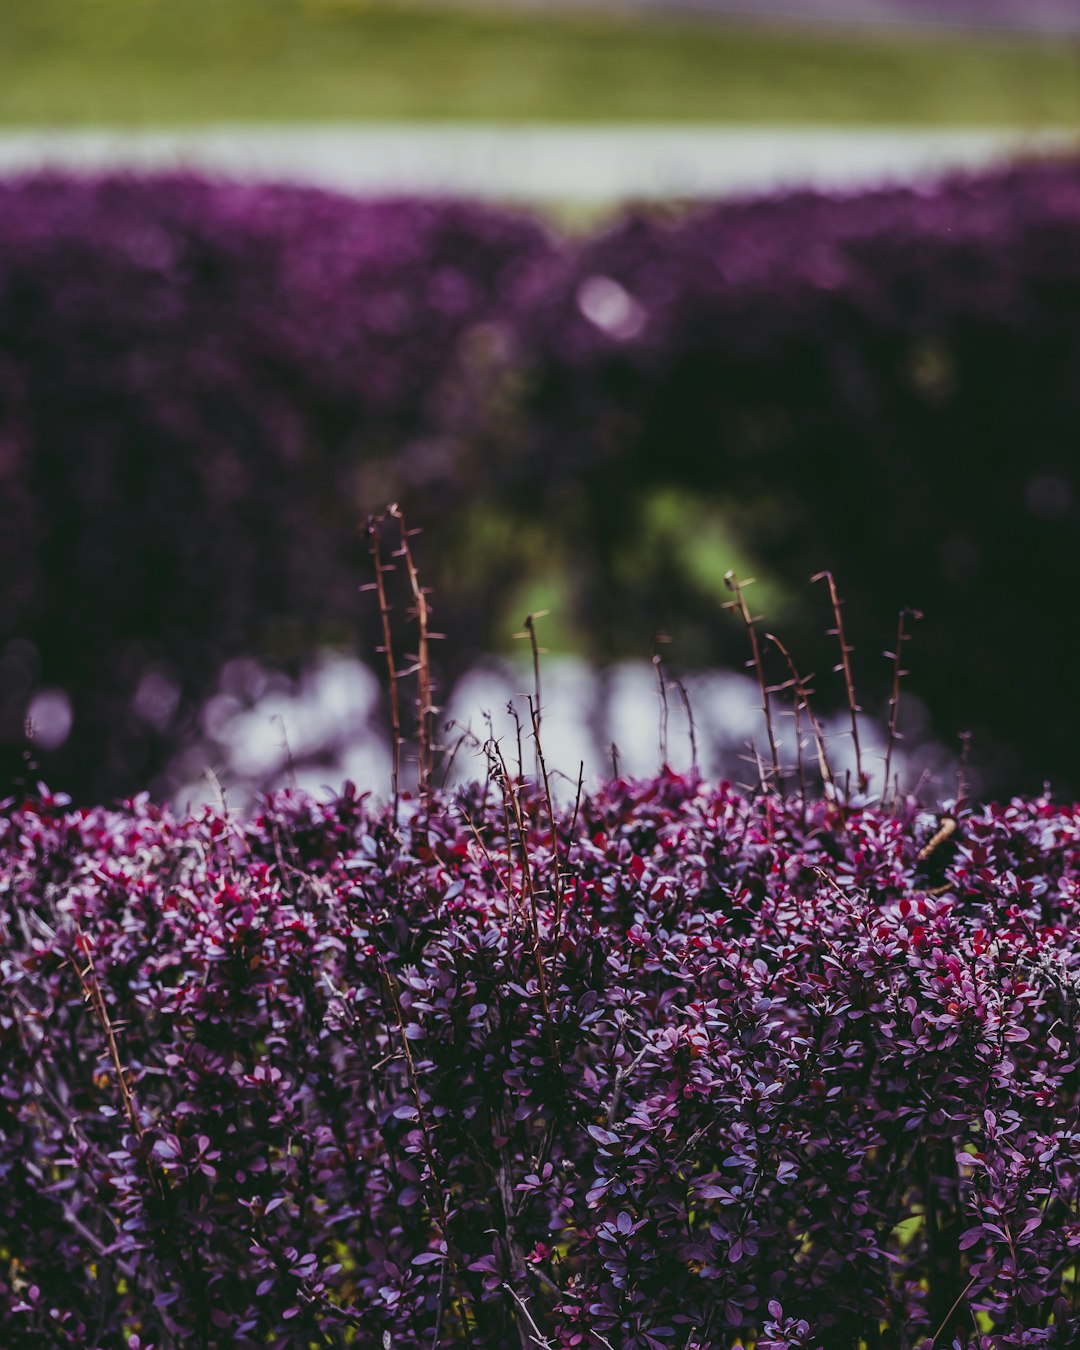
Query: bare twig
[467, 734]
[387, 650]
[503, 881]
[534, 713]
[739, 603]
[532, 1338]
[556, 935]
[691, 726]
[948, 1316]
[437, 1195]
[661, 686]
[845, 668]
[91, 991]
[894, 698]
[529, 632]
[577, 800]
[425, 709]
[515, 826]
[290, 763]
[621, 1075]
[803, 692]
[511, 708]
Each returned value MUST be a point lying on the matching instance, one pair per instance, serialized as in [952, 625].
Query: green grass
[186, 62]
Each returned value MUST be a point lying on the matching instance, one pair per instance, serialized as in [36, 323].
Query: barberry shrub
[204, 388]
[688, 1067]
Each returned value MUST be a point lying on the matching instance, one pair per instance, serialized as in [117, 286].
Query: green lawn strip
[190, 62]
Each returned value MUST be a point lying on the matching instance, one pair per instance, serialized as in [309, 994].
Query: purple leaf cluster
[682, 1067]
[204, 388]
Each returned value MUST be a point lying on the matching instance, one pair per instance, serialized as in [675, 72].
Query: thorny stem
[531, 1335]
[691, 726]
[387, 649]
[438, 1196]
[737, 587]
[577, 799]
[534, 713]
[528, 1332]
[948, 1316]
[530, 632]
[503, 881]
[661, 686]
[467, 734]
[800, 767]
[512, 808]
[845, 667]
[894, 697]
[511, 708]
[91, 990]
[802, 704]
[557, 933]
[424, 707]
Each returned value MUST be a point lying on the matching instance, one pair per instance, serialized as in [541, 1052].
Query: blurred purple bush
[738, 1066]
[887, 385]
[204, 388]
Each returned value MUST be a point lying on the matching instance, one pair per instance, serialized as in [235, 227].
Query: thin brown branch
[421, 611]
[845, 667]
[91, 991]
[436, 1193]
[387, 650]
[739, 603]
[513, 812]
[534, 713]
[529, 631]
[902, 636]
[690, 723]
[661, 688]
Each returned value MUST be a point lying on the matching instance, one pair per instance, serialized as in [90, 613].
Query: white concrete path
[593, 164]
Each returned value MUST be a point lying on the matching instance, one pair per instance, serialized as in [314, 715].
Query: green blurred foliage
[189, 62]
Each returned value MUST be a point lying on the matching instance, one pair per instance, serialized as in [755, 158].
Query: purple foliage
[886, 384]
[204, 388]
[694, 1066]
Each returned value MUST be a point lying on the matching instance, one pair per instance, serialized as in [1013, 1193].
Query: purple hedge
[204, 388]
[884, 384]
[693, 1069]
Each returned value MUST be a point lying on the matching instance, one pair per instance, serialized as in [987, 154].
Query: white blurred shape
[611, 307]
[51, 717]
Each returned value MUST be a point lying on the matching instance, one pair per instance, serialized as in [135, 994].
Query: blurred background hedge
[204, 389]
[194, 380]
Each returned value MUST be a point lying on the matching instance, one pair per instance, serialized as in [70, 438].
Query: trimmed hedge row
[886, 385]
[689, 1068]
[203, 388]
